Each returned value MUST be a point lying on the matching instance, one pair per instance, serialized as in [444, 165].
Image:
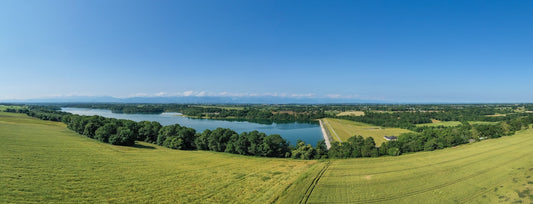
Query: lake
[308, 132]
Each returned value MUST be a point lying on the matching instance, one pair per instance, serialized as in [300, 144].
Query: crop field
[351, 113]
[481, 123]
[492, 171]
[346, 129]
[43, 161]
[221, 106]
[454, 123]
[441, 123]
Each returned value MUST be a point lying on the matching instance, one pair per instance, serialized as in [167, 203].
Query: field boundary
[311, 187]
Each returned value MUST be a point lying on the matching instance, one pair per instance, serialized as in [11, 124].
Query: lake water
[308, 132]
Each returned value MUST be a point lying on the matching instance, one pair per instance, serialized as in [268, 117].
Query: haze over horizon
[390, 51]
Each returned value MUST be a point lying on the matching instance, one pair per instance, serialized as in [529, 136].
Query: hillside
[491, 171]
[43, 161]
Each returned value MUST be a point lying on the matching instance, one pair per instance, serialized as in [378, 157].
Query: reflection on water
[308, 132]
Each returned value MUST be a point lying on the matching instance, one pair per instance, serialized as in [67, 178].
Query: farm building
[390, 138]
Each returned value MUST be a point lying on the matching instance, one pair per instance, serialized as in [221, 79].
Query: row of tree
[126, 132]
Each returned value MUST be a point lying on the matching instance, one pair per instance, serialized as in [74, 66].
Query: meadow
[440, 123]
[351, 113]
[491, 171]
[454, 123]
[346, 129]
[43, 161]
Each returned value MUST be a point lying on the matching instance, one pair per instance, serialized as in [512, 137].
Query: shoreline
[324, 134]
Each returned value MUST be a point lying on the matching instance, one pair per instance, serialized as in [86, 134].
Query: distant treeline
[126, 132]
[246, 112]
[403, 116]
[409, 119]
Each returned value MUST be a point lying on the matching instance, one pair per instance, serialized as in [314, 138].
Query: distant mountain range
[192, 99]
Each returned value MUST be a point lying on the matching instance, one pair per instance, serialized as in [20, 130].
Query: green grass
[454, 123]
[481, 123]
[346, 129]
[221, 106]
[351, 113]
[492, 171]
[443, 123]
[43, 161]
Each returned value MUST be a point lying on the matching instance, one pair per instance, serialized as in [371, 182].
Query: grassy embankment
[346, 129]
[43, 161]
[492, 171]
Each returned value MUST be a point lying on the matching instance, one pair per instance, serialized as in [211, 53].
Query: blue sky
[395, 51]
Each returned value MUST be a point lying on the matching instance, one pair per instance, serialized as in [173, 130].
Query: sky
[391, 51]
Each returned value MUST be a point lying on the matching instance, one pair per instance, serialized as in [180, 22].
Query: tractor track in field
[431, 188]
[311, 187]
[433, 164]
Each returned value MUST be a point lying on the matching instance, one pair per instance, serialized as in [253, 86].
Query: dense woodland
[506, 118]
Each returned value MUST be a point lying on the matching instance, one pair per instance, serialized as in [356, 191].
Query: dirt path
[325, 134]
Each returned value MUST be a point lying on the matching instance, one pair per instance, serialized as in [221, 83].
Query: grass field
[351, 113]
[221, 107]
[442, 123]
[346, 129]
[43, 161]
[481, 123]
[454, 123]
[492, 171]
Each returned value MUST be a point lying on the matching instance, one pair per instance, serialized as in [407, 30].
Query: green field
[443, 123]
[351, 113]
[492, 171]
[44, 161]
[346, 129]
[481, 123]
[454, 123]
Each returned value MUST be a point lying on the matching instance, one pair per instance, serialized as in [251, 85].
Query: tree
[394, 151]
[334, 151]
[201, 140]
[321, 149]
[274, 146]
[368, 147]
[430, 145]
[90, 129]
[145, 131]
[177, 137]
[123, 137]
[103, 133]
[303, 151]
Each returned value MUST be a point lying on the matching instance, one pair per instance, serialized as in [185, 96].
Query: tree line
[126, 132]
